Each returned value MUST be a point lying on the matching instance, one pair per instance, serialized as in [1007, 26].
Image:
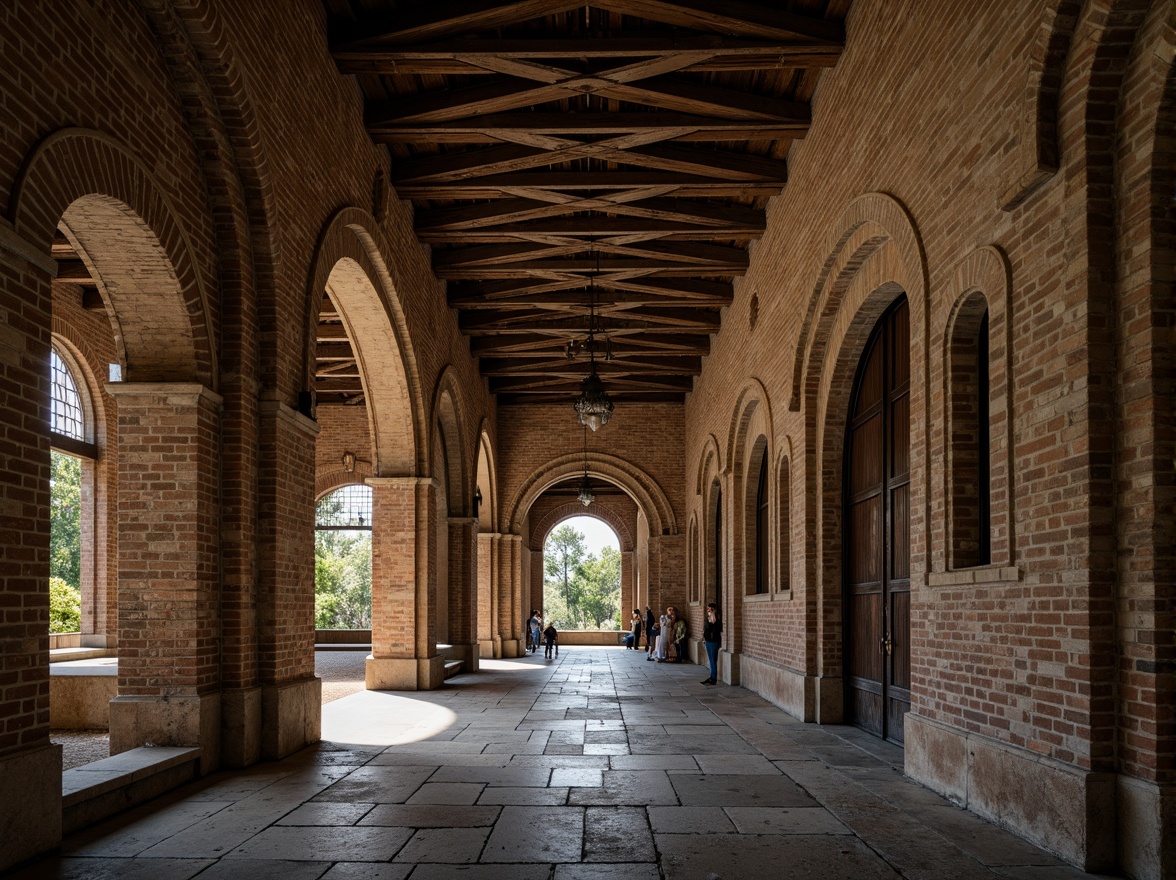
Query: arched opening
[877, 531]
[582, 576]
[714, 546]
[756, 541]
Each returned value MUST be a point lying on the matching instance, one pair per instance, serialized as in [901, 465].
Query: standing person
[536, 625]
[712, 637]
[679, 637]
[650, 626]
[549, 637]
[665, 632]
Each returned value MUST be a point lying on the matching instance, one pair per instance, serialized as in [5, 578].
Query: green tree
[342, 579]
[563, 553]
[65, 607]
[599, 589]
[65, 519]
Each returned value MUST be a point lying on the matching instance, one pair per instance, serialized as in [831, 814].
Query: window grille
[349, 507]
[68, 418]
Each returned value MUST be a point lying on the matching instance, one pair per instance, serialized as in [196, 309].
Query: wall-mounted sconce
[349, 461]
[477, 499]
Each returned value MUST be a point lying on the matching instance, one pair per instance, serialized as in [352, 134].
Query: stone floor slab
[432, 816]
[516, 777]
[70, 868]
[266, 869]
[630, 871]
[690, 820]
[690, 857]
[525, 797]
[784, 820]
[366, 871]
[444, 846]
[714, 790]
[324, 844]
[482, 872]
[536, 834]
[447, 793]
[617, 834]
[326, 814]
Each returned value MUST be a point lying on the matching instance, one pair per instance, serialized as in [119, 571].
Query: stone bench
[101, 789]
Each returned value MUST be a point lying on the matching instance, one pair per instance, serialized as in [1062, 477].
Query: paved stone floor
[594, 766]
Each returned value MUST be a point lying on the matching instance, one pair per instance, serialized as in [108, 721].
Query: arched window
[343, 559]
[968, 441]
[785, 527]
[761, 527]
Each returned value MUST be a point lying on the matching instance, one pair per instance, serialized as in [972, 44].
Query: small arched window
[347, 508]
[69, 421]
[968, 439]
[761, 527]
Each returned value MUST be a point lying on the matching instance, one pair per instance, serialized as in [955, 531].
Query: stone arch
[327, 480]
[872, 223]
[649, 496]
[348, 263]
[554, 517]
[749, 440]
[984, 274]
[117, 215]
[709, 458]
[889, 263]
[486, 481]
[447, 427]
[1037, 153]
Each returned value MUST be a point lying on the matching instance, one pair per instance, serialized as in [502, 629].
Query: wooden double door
[877, 532]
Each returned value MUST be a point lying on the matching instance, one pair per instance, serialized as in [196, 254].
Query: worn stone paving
[594, 766]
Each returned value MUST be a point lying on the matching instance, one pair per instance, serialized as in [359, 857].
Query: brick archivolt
[349, 263]
[644, 490]
[122, 223]
[599, 511]
[449, 432]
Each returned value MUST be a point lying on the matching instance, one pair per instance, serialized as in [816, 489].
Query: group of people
[536, 633]
[669, 631]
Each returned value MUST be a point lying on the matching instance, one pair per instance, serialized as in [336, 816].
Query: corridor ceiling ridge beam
[658, 209]
[572, 383]
[680, 185]
[597, 226]
[666, 92]
[660, 255]
[670, 365]
[678, 320]
[542, 345]
[739, 17]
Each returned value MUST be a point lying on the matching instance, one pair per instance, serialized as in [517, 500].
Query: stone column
[404, 585]
[629, 597]
[168, 568]
[489, 636]
[463, 591]
[30, 766]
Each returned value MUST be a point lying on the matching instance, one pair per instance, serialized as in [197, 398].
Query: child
[549, 635]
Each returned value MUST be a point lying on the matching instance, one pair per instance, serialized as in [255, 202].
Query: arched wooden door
[877, 532]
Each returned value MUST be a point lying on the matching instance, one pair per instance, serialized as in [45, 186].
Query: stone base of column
[729, 667]
[1147, 828]
[490, 648]
[240, 727]
[830, 701]
[174, 720]
[30, 804]
[405, 674]
[790, 689]
[1061, 808]
[469, 655]
[513, 647]
[291, 715]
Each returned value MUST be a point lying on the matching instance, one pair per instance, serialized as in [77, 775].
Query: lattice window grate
[68, 417]
[349, 507]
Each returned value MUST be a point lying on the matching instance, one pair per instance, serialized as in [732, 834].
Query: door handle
[888, 646]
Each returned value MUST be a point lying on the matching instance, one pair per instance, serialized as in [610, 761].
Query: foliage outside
[65, 519]
[580, 590]
[342, 579]
[65, 607]
[65, 544]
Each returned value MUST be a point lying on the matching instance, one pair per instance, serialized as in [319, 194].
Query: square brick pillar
[168, 568]
[489, 636]
[404, 585]
[511, 616]
[463, 591]
[629, 599]
[289, 700]
[30, 766]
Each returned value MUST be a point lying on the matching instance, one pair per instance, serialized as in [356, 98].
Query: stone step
[452, 668]
[102, 788]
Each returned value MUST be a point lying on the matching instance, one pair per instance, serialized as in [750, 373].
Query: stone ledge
[988, 574]
[103, 788]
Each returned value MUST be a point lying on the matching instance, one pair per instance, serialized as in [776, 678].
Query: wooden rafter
[584, 167]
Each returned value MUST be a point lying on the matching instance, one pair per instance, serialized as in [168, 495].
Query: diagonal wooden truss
[564, 157]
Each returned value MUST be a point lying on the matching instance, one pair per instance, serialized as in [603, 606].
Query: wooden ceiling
[568, 160]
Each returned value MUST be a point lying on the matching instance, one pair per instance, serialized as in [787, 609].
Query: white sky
[597, 533]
